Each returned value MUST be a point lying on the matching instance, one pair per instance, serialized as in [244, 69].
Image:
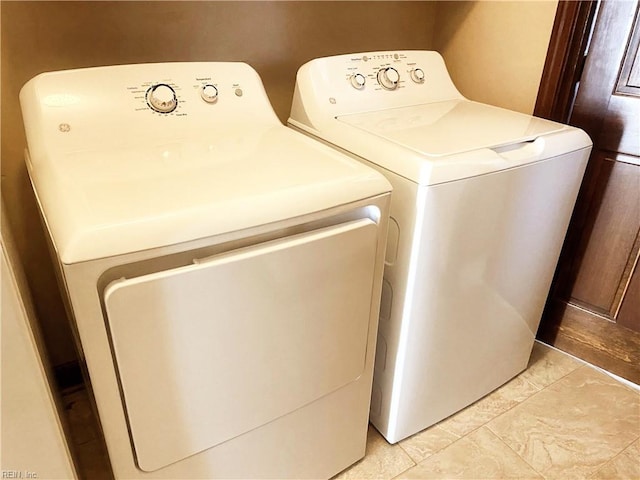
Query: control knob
[417, 75]
[162, 98]
[388, 77]
[358, 80]
[209, 93]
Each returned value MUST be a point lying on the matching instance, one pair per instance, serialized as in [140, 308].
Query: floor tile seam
[633, 386]
[618, 383]
[508, 409]
[531, 397]
[402, 450]
[488, 425]
[534, 394]
[541, 388]
[589, 368]
[559, 379]
[458, 440]
[408, 456]
[628, 384]
[536, 387]
[432, 455]
[611, 460]
[448, 446]
[400, 474]
[479, 426]
[415, 464]
[407, 453]
[600, 467]
[554, 476]
[491, 432]
[579, 361]
[495, 434]
[624, 449]
[499, 438]
[484, 423]
[458, 437]
[623, 382]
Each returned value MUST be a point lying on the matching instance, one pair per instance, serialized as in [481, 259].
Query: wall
[495, 51]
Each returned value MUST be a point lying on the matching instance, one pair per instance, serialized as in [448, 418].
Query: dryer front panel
[212, 350]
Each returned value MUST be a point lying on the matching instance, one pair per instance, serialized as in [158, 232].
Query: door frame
[564, 325]
[565, 59]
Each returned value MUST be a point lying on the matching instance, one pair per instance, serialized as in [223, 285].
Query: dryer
[481, 203]
[223, 272]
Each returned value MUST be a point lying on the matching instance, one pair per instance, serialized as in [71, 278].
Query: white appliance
[33, 443]
[481, 202]
[223, 271]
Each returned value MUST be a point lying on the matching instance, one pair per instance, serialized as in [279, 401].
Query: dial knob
[388, 77]
[358, 80]
[209, 93]
[417, 75]
[162, 98]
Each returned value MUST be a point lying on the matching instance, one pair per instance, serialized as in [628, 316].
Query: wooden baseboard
[581, 334]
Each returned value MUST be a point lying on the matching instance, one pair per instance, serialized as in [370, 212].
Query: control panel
[170, 96]
[346, 84]
[389, 71]
[130, 104]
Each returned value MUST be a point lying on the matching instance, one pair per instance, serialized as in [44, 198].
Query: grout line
[542, 476]
[517, 404]
[624, 381]
[437, 451]
[621, 452]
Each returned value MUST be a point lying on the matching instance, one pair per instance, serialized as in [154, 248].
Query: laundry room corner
[274, 37]
[209, 212]
[495, 51]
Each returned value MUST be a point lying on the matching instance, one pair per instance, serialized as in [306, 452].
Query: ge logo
[64, 127]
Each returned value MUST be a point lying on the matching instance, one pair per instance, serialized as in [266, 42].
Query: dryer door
[212, 350]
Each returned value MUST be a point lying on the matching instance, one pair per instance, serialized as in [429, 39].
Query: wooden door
[594, 307]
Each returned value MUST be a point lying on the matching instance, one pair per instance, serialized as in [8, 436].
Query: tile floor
[559, 419]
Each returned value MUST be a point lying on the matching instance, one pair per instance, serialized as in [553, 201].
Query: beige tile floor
[559, 419]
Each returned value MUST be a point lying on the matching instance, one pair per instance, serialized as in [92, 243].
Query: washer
[481, 203]
[223, 271]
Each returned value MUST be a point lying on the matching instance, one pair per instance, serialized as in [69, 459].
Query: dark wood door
[594, 307]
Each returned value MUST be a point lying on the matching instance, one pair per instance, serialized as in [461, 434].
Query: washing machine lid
[101, 203]
[450, 140]
[424, 129]
[451, 127]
